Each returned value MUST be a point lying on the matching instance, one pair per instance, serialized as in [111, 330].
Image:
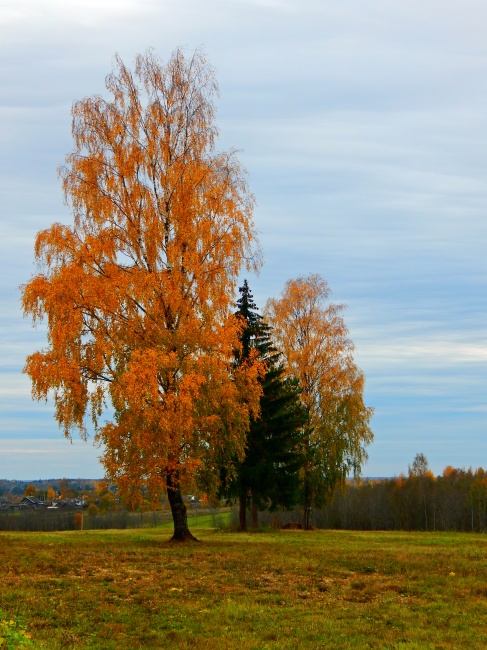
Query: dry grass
[321, 589]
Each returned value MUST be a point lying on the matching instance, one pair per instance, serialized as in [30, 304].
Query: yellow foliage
[313, 339]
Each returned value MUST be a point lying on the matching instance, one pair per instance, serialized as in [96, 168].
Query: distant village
[97, 496]
[75, 504]
[54, 494]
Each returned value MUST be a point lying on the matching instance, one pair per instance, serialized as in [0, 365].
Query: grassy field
[320, 589]
[204, 520]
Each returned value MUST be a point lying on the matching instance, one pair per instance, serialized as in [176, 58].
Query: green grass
[322, 589]
[206, 520]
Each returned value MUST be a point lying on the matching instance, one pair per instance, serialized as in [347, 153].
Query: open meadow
[319, 589]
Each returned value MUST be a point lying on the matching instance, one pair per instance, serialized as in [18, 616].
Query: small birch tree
[313, 339]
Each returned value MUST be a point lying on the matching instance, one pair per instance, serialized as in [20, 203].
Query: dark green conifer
[268, 476]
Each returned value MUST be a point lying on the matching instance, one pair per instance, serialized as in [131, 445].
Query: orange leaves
[450, 472]
[33, 295]
[137, 293]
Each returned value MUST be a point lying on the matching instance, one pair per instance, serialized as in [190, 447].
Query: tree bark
[178, 510]
[242, 511]
[307, 503]
[255, 514]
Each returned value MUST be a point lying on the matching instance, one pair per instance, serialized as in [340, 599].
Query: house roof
[31, 500]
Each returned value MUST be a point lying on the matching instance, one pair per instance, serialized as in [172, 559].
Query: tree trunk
[242, 512]
[307, 503]
[255, 514]
[307, 518]
[178, 510]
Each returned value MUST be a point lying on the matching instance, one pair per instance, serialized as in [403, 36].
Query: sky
[363, 128]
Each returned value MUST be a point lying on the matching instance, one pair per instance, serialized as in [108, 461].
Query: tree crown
[138, 291]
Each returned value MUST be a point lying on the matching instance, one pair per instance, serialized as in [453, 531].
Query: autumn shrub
[108, 502]
[92, 510]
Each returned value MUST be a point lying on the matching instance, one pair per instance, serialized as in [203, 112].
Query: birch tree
[138, 292]
[312, 336]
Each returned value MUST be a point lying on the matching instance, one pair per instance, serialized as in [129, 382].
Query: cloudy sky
[363, 126]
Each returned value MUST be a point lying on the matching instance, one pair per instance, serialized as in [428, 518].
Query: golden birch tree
[138, 291]
[314, 341]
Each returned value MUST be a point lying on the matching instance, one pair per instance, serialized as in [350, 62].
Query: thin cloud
[364, 131]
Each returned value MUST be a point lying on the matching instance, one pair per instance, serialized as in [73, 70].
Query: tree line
[142, 333]
[455, 500]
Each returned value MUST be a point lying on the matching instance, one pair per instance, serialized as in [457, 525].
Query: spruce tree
[268, 476]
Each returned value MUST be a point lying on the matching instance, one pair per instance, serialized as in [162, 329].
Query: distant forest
[18, 488]
[455, 500]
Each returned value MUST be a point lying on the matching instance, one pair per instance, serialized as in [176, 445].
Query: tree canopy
[138, 291]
